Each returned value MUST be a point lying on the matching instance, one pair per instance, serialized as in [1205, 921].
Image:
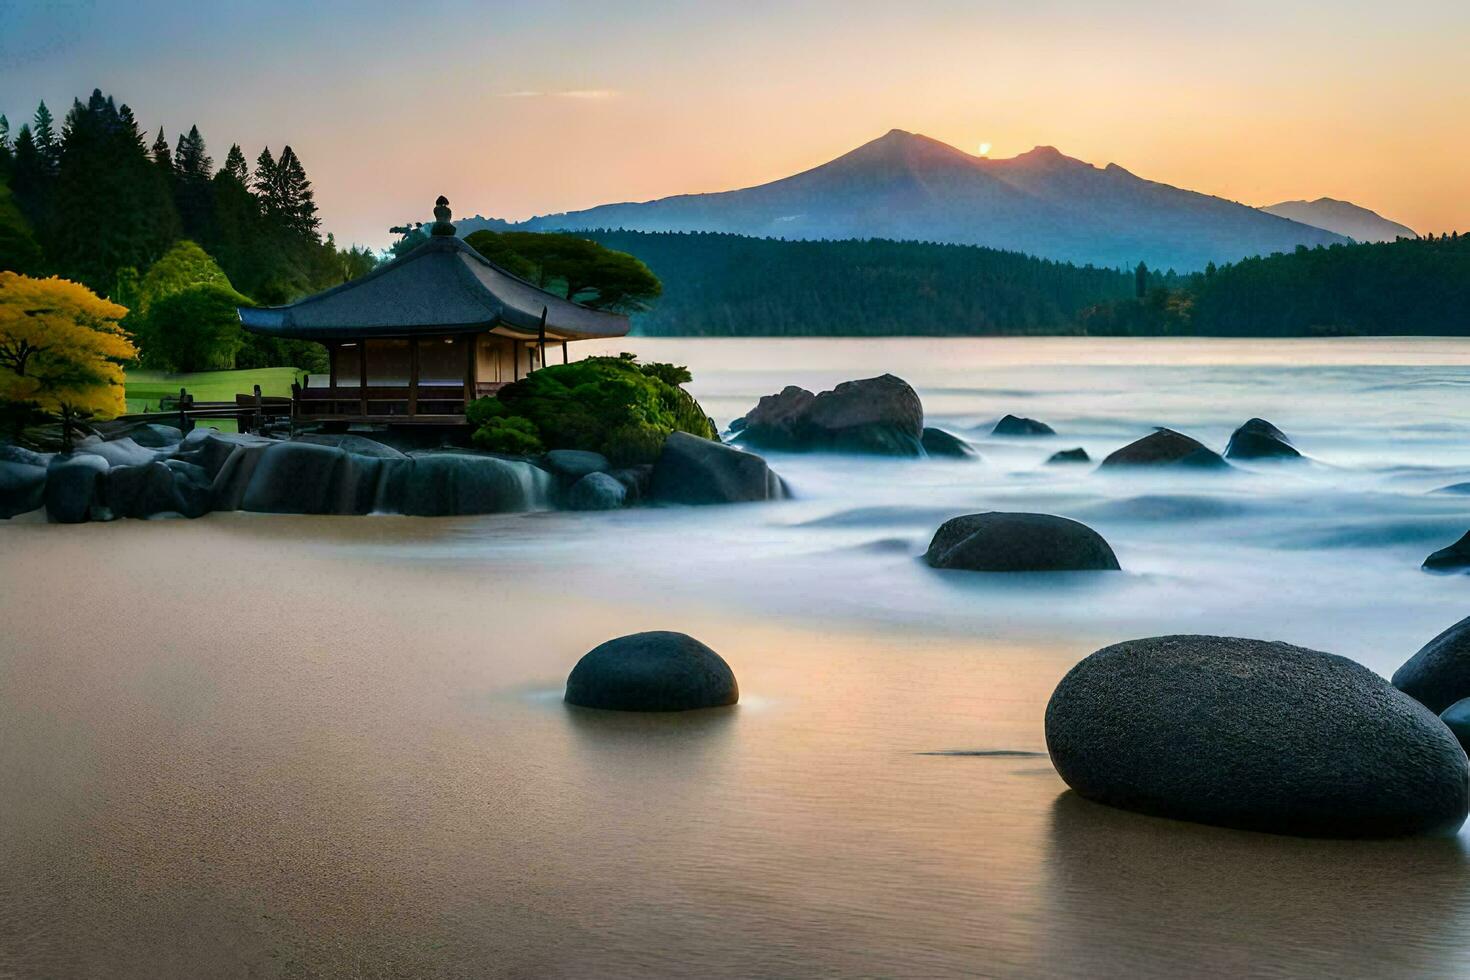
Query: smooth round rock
[1078, 455]
[656, 671]
[1004, 542]
[1014, 425]
[1457, 719]
[1255, 735]
[1439, 674]
[597, 491]
[1165, 447]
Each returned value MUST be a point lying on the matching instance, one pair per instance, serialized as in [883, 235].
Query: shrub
[610, 405]
[514, 435]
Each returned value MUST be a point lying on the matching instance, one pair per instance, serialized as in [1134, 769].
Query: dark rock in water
[1457, 719]
[1078, 455]
[1014, 425]
[451, 484]
[574, 464]
[880, 415]
[597, 491]
[151, 435]
[1165, 447]
[1439, 674]
[302, 478]
[354, 444]
[777, 421]
[157, 488]
[11, 453]
[22, 488]
[1257, 736]
[71, 488]
[738, 425]
[1259, 439]
[1002, 542]
[1456, 488]
[937, 442]
[658, 671]
[691, 470]
[1455, 558]
[636, 480]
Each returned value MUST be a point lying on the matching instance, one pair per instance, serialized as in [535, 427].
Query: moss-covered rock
[609, 405]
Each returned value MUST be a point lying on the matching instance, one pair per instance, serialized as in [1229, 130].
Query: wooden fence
[251, 412]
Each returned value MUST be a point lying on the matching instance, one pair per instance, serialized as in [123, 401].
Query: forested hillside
[1407, 287]
[729, 285]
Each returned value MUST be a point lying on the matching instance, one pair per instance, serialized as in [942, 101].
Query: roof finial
[442, 227]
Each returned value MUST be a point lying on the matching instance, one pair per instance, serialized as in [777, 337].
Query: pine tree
[112, 208]
[297, 206]
[161, 154]
[236, 166]
[5, 148]
[44, 133]
[1140, 281]
[29, 181]
[191, 159]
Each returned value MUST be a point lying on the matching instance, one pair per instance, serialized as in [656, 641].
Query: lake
[295, 747]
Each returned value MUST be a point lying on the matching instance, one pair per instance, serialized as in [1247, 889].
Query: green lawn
[146, 388]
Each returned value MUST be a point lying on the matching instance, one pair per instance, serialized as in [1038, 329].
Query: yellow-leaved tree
[61, 351]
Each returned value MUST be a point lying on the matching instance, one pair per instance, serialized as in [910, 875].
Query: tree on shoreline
[62, 348]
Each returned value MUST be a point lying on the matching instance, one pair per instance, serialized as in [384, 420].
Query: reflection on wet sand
[1130, 895]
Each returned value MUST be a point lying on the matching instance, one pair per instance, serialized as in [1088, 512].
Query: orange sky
[517, 109]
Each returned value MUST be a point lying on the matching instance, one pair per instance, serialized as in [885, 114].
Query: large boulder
[1439, 674]
[1078, 455]
[573, 464]
[1014, 425]
[1259, 439]
[1254, 735]
[876, 415]
[1453, 558]
[1005, 542]
[160, 487]
[71, 495]
[597, 491]
[691, 470]
[22, 488]
[452, 484]
[937, 442]
[657, 671]
[1165, 447]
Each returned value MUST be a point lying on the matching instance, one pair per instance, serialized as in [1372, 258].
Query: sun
[984, 149]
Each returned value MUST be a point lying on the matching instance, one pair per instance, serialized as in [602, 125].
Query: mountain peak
[1343, 218]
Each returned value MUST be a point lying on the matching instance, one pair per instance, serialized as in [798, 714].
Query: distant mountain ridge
[904, 186]
[1344, 218]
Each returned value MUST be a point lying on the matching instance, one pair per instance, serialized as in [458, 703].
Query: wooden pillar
[515, 362]
[413, 376]
[362, 377]
[563, 351]
[469, 370]
[332, 349]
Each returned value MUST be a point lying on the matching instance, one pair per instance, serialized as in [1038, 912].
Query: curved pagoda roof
[441, 286]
